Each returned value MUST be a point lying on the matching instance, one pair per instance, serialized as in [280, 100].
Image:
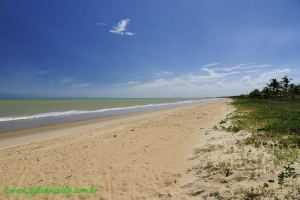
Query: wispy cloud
[129, 83]
[167, 73]
[69, 82]
[132, 82]
[245, 67]
[234, 67]
[65, 81]
[100, 23]
[254, 71]
[263, 78]
[212, 80]
[212, 73]
[210, 65]
[83, 85]
[121, 28]
[162, 74]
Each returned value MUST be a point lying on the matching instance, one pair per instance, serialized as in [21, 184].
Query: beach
[150, 100]
[187, 152]
[138, 157]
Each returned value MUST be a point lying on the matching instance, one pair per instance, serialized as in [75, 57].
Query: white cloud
[245, 67]
[210, 65]
[129, 33]
[262, 79]
[187, 81]
[213, 74]
[121, 28]
[234, 67]
[211, 82]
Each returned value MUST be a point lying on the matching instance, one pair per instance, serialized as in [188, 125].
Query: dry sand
[148, 156]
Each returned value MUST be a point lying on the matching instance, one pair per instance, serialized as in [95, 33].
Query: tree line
[277, 89]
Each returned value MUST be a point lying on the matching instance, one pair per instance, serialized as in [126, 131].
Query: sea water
[28, 113]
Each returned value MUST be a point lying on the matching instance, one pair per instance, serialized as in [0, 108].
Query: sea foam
[77, 112]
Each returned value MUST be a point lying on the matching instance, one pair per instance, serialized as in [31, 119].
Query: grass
[270, 116]
[274, 123]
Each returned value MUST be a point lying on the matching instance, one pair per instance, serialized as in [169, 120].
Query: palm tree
[285, 84]
[274, 85]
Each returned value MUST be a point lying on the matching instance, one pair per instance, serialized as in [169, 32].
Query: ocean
[27, 113]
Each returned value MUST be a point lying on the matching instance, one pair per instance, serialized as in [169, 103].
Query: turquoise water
[31, 107]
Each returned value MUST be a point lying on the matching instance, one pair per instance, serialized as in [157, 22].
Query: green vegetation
[277, 89]
[274, 123]
[274, 119]
[287, 173]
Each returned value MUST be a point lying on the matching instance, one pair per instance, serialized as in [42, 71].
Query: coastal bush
[268, 115]
[276, 89]
[275, 124]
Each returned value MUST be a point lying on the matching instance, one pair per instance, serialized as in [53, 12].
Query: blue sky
[140, 48]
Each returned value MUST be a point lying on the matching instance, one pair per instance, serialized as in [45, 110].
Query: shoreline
[27, 135]
[20, 122]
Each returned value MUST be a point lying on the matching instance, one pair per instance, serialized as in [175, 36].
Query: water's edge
[51, 118]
